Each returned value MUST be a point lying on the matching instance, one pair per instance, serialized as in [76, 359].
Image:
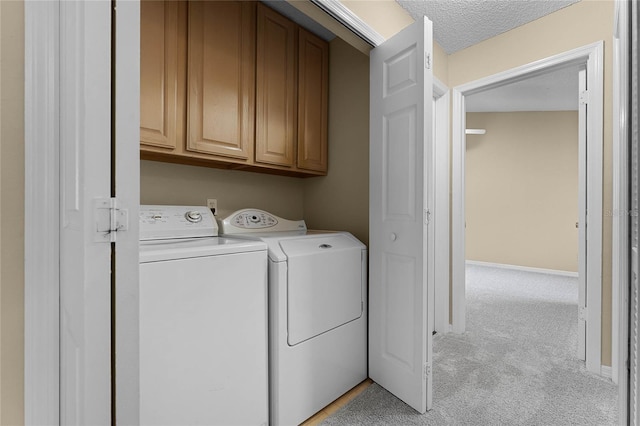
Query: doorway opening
[523, 192]
[589, 57]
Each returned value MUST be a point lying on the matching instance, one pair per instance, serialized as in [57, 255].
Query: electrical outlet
[212, 203]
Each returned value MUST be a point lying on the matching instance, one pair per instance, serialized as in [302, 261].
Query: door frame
[440, 176]
[621, 205]
[592, 56]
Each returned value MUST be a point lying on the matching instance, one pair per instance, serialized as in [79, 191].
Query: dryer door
[325, 284]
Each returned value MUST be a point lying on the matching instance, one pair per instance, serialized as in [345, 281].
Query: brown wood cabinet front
[232, 84]
[313, 101]
[221, 82]
[163, 35]
[276, 107]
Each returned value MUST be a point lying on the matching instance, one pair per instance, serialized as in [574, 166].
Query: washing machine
[203, 322]
[317, 312]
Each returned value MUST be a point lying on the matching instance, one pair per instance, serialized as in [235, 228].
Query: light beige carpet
[515, 365]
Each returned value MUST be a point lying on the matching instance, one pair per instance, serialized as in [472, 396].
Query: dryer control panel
[254, 220]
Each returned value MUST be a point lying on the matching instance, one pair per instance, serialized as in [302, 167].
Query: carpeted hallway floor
[515, 365]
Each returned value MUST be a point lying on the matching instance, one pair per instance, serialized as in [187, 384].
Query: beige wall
[385, 16]
[164, 183]
[522, 189]
[340, 200]
[580, 24]
[12, 212]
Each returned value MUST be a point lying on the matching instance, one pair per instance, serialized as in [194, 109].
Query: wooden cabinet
[162, 74]
[221, 78]
[276, 87]
[232, 84]
[313, 89]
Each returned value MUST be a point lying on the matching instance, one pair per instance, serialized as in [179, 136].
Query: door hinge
[584, 97]
[427, 216]
[427, 60]
[427, 371]
[109, 219]
[582, 313]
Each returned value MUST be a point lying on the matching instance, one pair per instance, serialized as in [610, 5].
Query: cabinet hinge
[427, 216]
[427, 60]
[109, 219]
[584, 97]
[427, 371]
[582, 313]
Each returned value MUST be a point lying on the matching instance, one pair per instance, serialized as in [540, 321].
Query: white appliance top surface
[173, 249]
[165, 222]
[258, 225]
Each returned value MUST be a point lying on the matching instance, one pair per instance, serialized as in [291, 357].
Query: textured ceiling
[458, 24]
[553, 91]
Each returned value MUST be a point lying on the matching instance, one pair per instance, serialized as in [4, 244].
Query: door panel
[401, 138]
[85, 174]
[399, 169]
[399, 274]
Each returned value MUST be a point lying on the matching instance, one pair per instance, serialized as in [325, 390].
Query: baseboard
[605, 371]
[447, 329]
[523, 268]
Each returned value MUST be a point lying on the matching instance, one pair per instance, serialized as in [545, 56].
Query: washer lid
[173, 249]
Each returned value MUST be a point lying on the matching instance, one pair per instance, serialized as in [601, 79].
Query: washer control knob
[193, 216]
[254, 219]
[393, 236]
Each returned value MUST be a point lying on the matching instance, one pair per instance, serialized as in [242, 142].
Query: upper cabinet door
[221, 82]
[163, 35]
[313, 104]
[276, 89]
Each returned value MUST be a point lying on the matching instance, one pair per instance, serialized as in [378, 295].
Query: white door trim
[350, 20]
[592, 56]
[621, 176]
[42, 236]
[127, 191]
[440, 170]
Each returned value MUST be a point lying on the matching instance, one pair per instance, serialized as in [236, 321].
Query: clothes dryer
[317, 312]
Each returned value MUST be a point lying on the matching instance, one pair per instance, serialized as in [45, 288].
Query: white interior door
[582, 217]
[400, 149]
[85, 176]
